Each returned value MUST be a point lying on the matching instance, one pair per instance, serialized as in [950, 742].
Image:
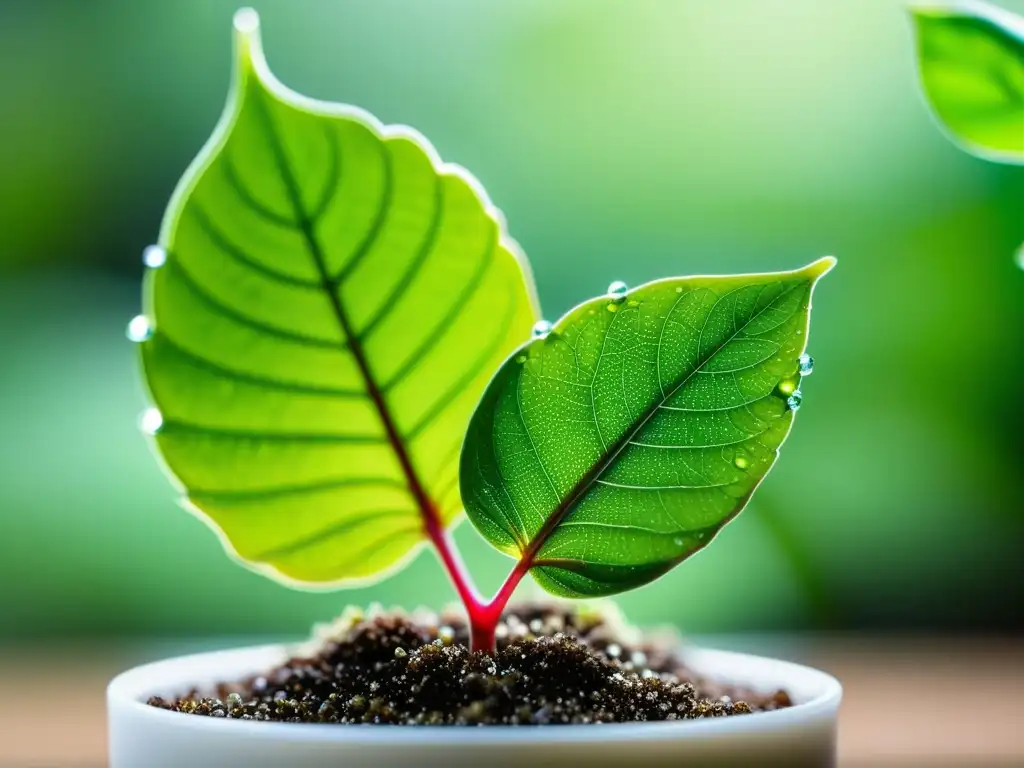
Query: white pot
[146, 737]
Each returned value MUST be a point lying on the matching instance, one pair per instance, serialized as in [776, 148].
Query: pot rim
[818, 695]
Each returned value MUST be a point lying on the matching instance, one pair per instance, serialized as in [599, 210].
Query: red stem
[451, 561]
[483, 615]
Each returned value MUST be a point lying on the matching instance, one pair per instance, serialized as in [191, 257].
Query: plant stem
[483, 615]
[452, 562]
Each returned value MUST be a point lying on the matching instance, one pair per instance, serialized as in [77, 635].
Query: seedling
[324, 315]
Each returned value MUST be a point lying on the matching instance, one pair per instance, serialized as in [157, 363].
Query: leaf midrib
[584, 484]
[330, 286]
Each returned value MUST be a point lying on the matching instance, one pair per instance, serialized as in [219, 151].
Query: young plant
[325, 308]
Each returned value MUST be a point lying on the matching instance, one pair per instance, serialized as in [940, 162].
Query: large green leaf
[618, 445]
[972, 68]
[332, 302]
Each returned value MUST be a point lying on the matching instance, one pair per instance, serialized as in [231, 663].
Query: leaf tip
[246, 23]
[818, 269]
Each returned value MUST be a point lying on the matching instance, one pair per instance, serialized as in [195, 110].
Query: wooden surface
[908, 702]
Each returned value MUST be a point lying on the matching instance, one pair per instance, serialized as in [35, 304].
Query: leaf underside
[619, 445]
[971, 60]
[332, 305]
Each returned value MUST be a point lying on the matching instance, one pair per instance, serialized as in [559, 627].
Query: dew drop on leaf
[787, 386]
[139, 329]
[520, 359]
[741, 462]
[154, 256]
[806, 363]
[613, 307]
[151, 421]
[617, 290]
[678, 541]
[794, 401]
[541, 329]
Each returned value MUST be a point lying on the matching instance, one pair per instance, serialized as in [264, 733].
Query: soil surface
[553, 665]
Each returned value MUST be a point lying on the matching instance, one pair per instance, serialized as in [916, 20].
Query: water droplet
[541, 329]
[741, 462]
[806, 363]
[679, 289]
[794, 401]
[139, 329]
[520, 359]
[613, 307]
[787, 386]
[613, 650]
[151, 421]
[154, 256]
[401, 653]
[618, 290]
[1020, 257]
[246, 20]
[678, 541]
[446, 635]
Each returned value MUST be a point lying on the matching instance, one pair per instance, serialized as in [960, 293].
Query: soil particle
[552, 665]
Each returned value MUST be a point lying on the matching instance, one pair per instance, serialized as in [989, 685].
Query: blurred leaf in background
[971, 58]
[623, 141]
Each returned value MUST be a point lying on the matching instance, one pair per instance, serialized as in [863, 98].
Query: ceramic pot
[146, 737]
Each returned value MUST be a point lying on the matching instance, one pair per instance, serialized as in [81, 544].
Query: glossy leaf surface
[620, 444]
[332, 303]
[971, 58]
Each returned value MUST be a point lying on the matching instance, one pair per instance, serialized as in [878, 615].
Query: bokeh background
[623, 140]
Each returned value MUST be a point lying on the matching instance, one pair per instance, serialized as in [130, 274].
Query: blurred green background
[624, 139]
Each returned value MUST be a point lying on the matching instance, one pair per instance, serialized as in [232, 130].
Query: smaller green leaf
[617, 445]
[971, 58]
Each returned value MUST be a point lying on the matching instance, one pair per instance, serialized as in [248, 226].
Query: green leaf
[971, 59]
[606, 453]
[333, 302]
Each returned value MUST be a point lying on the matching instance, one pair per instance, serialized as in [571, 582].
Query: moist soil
[552, 665]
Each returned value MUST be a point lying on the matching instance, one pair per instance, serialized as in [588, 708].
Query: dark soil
[553, 665]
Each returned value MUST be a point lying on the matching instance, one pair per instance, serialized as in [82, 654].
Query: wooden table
[908, 702]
